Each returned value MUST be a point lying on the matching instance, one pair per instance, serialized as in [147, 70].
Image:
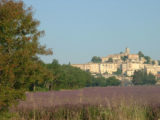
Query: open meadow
[99, 103]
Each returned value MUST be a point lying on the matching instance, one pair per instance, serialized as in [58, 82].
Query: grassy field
[100, 103]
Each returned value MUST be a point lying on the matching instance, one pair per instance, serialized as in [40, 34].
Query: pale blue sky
[76, 30]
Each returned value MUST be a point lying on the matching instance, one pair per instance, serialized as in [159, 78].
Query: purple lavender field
[149, 95]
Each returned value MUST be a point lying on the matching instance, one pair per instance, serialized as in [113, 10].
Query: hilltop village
[122, 65]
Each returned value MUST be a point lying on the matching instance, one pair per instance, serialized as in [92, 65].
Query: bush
[112, 81]
[96, 59]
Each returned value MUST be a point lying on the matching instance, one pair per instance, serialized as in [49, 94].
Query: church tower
[127, 52]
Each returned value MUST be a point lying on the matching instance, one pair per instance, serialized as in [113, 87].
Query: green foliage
[20, 67]
[9, 116]
[110, 60]
[8, 96]
[67, 77]
[126, 82]
[153, 62]
[148, 59]
[124, 58]
[96, 59]
[142, 78]
[112, 81]
[119, 72]
[101, 81]
[140, 54]
[98, 81]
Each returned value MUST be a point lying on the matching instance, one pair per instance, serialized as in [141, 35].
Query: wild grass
[115, 111]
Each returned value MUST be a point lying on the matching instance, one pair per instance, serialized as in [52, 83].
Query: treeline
[68, 77]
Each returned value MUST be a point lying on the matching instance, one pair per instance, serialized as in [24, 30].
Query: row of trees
[103, 82]
[68, 77]
[141, 77]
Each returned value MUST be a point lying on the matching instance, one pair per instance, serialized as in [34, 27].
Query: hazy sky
[76, 30]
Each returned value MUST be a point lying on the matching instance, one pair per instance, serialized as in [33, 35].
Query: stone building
[128, 66]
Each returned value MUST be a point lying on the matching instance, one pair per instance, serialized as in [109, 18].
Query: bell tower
[127, 52]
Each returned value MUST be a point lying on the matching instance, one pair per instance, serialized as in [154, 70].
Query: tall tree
[19, 47]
